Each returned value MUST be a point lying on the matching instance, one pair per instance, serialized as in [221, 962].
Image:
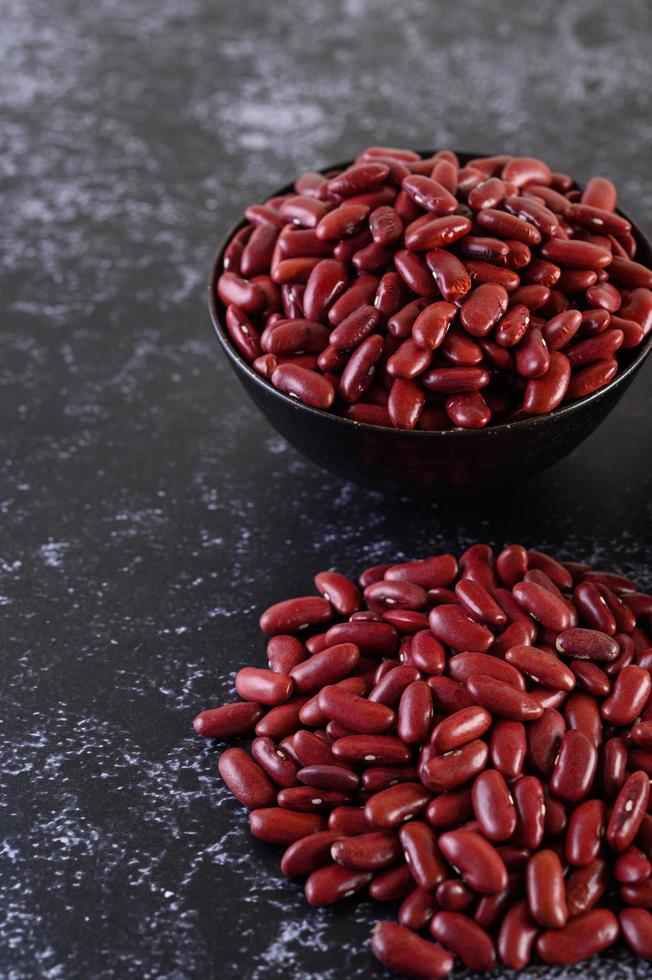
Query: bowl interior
[630, 360]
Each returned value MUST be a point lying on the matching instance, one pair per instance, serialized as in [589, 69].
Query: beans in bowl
[470, 738]
[418, 293]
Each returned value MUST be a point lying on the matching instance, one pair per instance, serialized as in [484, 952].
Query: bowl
[420, 463]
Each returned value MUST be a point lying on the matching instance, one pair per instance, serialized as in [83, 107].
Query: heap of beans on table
[472, 739]
[413, 292]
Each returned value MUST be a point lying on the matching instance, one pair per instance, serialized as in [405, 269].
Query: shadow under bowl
[428, 464]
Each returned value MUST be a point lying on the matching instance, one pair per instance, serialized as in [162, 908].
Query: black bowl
[428, 464]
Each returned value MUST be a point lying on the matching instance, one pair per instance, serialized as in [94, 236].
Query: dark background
[147, 511]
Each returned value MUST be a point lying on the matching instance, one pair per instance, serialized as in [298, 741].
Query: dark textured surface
[147, 511]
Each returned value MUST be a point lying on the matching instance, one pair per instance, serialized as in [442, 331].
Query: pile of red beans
[418, 293]
[472, 739]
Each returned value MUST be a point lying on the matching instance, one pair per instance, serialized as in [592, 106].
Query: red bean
[453, 281]
[628, 810]
[263, 686]
[379, 749]
[368, 852]
[403, 951]
[372, 639]
[355, 713]
[585, 887]
[308, 854]
[545, 890]
[584, 832]
[389, 785]
[636, 925]
[331, 883]
[429, 194]
[543, 667]
[551, 611]
[574, 770]
[584, 936]
[278, 826]
[502, 699]
[508, 747]
[546, 392]
[454, 628]
[390, 807]
[516, 937]
[422, 854]
[531, 810]
[228, 720]
[415, 713]
[478, 862]
[246, 780]
[455, 767]
[587, 644]
[462, 666]
[632, 866]
[493, 806]
[343, 595]
[332, 664]
[628, 697]
[465, 938]
[417, 909]
[427, 653]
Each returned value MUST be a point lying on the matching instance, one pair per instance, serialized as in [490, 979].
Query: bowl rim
[533, 422]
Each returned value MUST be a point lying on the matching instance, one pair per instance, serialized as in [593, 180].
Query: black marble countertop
[147, 511]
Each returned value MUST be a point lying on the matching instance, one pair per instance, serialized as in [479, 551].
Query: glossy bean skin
[585, 886]
[228, 720]
[584, 936]
[308, 854]
[390, 807]
[331, 664]
[628, 810]
[455, 767]
[531, 810]
[636, 925]
[465, 938]
[263, 686]
[275, 825]
[460, 728]
[484, 306]
[493, 806]
[544, 668]
[373, 851]
[336, 778]
[415, 713]
[477, 861]
[551, 611]
[546, 895]
[574, 770]
[630, 693]
[354, 712]
[584, 832]
[518, 932]
[292, 615]
[417, 909]
[632, 867]
[453, 627]
[422, 854]
[377, 749]
[275, 761]
[502, 699]
[333, 882]
[246, 780]
[587, 644]
[405, 952]
[508, 747]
